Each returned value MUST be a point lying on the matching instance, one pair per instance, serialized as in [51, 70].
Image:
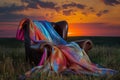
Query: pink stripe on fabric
[43, 57]
[20, 35]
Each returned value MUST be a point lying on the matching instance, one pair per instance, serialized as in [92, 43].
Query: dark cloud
[6, 13]
[80, 6]
[33, 4]
[12, 8]
[100, 13]
[51, 5]
[84, 13]
[11, 17]
[111, 2]
[47, 4]
[67, 12]
[91, 9]
[57, 9]
[105, 11]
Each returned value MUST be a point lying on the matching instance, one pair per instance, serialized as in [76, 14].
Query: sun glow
[74, 31]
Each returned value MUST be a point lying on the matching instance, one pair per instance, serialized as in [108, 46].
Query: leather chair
[33, 55]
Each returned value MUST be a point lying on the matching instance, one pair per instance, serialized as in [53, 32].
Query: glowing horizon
[84, 17]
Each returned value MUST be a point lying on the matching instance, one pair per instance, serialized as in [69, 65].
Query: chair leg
[27, 40]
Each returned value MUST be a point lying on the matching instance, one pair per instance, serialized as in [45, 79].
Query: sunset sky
[85, 17]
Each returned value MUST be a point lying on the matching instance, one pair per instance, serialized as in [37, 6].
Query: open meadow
[106, 52]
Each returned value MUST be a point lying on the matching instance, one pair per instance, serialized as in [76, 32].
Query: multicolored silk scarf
[64, 56]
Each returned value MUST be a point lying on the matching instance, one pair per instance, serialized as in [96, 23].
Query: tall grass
[12, 62]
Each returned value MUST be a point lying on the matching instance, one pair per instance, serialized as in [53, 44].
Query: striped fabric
[64, 56]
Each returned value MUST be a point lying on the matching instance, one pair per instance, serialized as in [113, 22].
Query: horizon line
[75, 36]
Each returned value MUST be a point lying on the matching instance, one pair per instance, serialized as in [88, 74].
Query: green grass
[106, 52]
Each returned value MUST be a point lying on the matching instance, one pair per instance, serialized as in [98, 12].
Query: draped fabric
[65, 56]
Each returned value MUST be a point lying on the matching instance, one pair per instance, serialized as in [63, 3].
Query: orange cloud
[73, 12]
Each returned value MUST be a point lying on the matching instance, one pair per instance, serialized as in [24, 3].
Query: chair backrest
[62, 28]
[33, 56]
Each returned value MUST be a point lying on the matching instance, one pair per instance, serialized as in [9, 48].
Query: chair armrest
[36, 52]
[39, 47]
[85, 44]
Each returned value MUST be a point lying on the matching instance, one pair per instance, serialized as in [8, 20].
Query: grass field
[106, 52]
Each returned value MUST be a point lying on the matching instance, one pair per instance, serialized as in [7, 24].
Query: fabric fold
[64, 55]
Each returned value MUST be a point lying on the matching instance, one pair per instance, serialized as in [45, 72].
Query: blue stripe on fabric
[49, 32]
[43, 30]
